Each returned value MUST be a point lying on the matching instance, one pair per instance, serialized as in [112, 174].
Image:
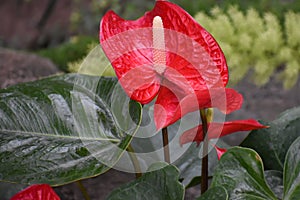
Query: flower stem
[135, 162]
[204, 172]
[83, 190]
[166, 144]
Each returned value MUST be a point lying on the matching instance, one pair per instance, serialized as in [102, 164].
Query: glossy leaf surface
[159, 184]
[214, 193]
[240, 172]
[275, 180]
[292, 172]
[273, 143]
[64, 128]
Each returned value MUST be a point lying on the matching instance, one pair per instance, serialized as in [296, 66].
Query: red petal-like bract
[190, 51]
[168, 109]
[220, 151]
[216, 130]
[36, 192]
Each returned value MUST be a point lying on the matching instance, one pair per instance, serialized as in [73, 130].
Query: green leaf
[214, 193]
[273, 143]
[275, 181]
[190, 163]
[154, 185]
[292, 172]
[240, 172]
[64, 128]
[69, 51]
[147, 144]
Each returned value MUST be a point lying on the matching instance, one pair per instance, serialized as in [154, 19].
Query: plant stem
[204, 173]
[166, 144]
[83, 190]
[135, 162]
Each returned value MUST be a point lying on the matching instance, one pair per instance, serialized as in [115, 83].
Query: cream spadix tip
[159, 55]
[157, 22]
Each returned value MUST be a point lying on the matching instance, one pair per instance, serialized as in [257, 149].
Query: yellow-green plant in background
[94, 63]
[256, 43]
[72, 50]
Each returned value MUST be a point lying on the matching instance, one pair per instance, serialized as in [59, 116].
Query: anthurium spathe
[219, 151]
[36, 192]
[169, 110]
[217, 130]
[166, 47]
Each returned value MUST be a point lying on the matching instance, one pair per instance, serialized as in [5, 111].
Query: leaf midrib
[59, 136]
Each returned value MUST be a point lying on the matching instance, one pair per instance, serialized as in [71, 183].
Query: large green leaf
[275, 181]
[214, 193]
[154, 185]
[64, 128]
[273, 143]
[292, 172]
[240, 172]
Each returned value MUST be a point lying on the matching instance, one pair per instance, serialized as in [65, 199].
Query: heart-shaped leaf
[273, 143]
[214, 193]
[292, 172]
[64, 128]
[159, 184]
[240, 172]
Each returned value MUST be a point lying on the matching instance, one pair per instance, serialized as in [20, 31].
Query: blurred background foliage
[76, 48]
[256, 43]
[258, 37]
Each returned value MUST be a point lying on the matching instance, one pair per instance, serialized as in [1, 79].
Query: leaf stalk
[204, 170]
[83, 190]
[166, 144]
[135, 162]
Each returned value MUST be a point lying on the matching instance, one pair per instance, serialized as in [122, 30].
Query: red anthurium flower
[216, 130]
[164, 46]
[36, 192]
[169, 110]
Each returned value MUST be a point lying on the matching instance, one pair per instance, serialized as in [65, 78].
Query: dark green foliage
[154, 185]
[273, 143]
